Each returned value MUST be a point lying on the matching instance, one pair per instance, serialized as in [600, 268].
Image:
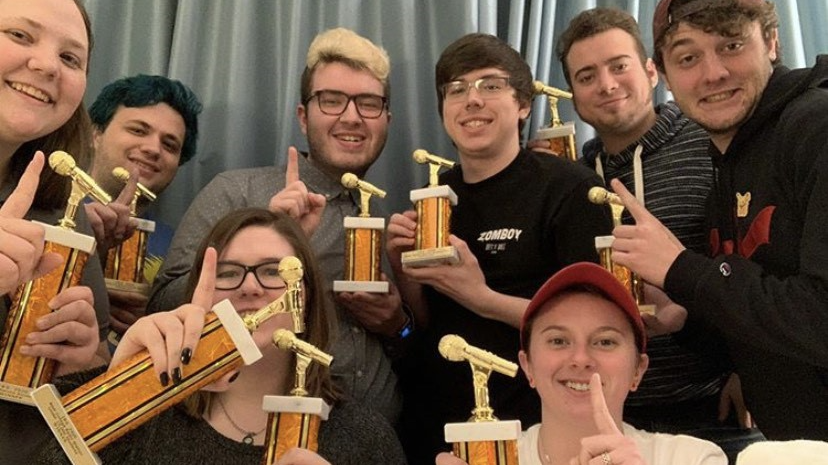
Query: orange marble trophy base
[363, 253]
[630, 280]
[431, 244]
[562, 140]
[20, 374]
[293, 422]
[89, 418]
[125, 262]
[485, 443]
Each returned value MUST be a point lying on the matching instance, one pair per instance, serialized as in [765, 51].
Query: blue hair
[144, 91]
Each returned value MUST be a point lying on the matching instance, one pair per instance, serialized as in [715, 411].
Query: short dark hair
[478, 51]
[727, 18]
[144, 91]
[593, 22]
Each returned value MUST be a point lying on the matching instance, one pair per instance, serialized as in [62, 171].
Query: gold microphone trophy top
[20, 374]
[363, 243]
[102, 410]
[433, 205]
[483, 440]
[124, 269]
[603, 244]
[561, 135]
[294, 420]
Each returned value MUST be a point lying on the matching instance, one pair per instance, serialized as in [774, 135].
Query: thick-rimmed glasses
[334, 103]
[230, 276]
[488, 87]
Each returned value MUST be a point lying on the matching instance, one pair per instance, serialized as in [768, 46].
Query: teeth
[350, 138]
[718, 97]
[474, 123]
[31, 92]
[583, 387]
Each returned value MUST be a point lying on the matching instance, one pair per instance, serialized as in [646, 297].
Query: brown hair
[74, 137]
[317, 330]
[728, 18]
[478, 51]
[593, 22]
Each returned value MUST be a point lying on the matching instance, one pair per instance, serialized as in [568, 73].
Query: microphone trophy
[483, 440]
[294, 420]
[124, 269]
[99, 412]
[20, 374]
[603, 244]
[363, 241]
[433, 204]
[561, 135]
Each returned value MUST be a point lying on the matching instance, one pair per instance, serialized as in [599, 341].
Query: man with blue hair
[149, 126]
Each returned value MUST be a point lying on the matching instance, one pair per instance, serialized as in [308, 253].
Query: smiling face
[147, 138]
[251, 246]
[43, 58]
[575, 335]
[347, 142]
[718, 81]
[484, 128]
[612, 90]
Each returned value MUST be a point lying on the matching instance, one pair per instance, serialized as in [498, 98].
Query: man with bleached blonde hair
[344, 114]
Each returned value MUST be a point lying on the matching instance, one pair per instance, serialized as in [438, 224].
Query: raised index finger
[638, 211]
[128, 192]
[21, 199]
[600, 413]
[292, 172]
[203, 293]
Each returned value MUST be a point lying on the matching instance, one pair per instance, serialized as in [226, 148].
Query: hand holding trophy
[561, 136]
[603, 244]
[483, 440]
[363, 241]
[293, 421]
[124, 269]
[433, 204]
[20, 374]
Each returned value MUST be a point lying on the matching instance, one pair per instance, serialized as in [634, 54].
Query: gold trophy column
[483, 440]
[20, 374]
[561, 135]
[294, 420]
[433, 204]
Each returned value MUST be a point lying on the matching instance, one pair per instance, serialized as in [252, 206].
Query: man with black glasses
[521, 216]
[344, 114]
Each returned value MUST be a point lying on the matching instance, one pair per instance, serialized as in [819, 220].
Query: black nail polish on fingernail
[176, 375]
[165, 379]
[233, 378]
[186, 355]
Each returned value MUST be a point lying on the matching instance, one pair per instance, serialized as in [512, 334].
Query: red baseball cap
[596, 276]
[666, 13]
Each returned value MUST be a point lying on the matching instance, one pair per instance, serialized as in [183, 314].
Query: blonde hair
[342, 45]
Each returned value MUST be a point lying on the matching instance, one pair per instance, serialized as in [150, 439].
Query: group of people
[723, 189]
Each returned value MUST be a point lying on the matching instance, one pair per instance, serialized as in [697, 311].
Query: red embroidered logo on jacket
[757, 234]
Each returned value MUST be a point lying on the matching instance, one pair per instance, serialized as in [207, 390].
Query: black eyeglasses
[230, 276]
[334, 103]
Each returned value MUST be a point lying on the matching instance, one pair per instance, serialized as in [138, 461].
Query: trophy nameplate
[294, 420]
[118, 401]
[561, 136]
[363, 244]
[483, 440]
[20, 374]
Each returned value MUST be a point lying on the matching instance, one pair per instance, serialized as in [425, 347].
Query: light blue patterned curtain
[244, 59]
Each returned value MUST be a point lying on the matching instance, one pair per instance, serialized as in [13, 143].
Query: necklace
[541, 448]
[248, 435]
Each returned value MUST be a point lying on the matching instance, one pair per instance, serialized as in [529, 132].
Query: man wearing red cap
[766, 286]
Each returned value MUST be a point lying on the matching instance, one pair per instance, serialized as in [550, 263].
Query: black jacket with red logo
[766, 287]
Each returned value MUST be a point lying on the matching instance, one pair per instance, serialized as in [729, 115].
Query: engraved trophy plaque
[20, 374]
[561, 136]
[433, 205]
[293, 421]
[603, 244]
[483, 440]
[124, 269]
[363, 243]
[89, 418]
